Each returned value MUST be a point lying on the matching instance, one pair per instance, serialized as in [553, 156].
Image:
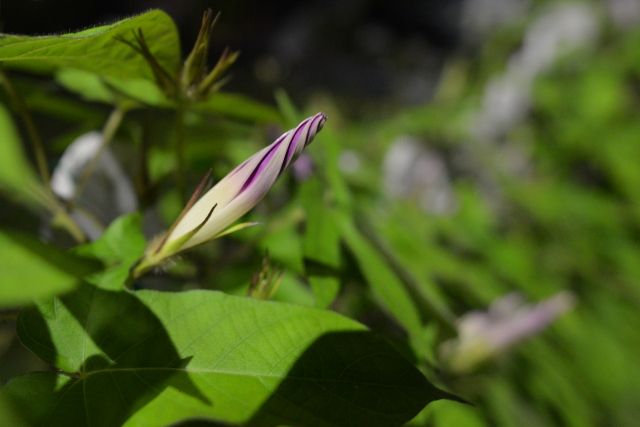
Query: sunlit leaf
[97, 49]
[111, 90]
[238, 107]
[386, 287]
[121, 245]
[30, 270]
[17, 177]
[8, 416]
[321, 242]
[151, 358]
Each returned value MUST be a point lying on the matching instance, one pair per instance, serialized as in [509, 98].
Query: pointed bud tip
[315, 124]
[323, 119]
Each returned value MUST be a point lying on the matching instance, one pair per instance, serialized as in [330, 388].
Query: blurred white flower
[509, 320]
[411, 171]
[349, 162]
[561, 28]
[107, 192]
[625, 13]
[207, 217]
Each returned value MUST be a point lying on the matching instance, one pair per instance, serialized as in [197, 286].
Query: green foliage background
[150, 357]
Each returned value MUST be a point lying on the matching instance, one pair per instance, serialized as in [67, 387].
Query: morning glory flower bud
[211, 215]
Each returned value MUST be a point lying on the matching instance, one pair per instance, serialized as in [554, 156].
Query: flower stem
[143, 180]
[60, 216]
[180, 152]
[108, 132]
[64, 220]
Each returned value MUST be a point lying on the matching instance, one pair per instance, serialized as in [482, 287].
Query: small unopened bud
[265, 282]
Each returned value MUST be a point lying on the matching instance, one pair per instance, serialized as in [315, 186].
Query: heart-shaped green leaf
[151, 358]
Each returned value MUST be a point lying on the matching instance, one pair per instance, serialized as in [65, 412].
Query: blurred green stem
[34, 136]
[143, 180]
[108, 132]
[64, 220]
[60, 216]
[180, 155]
[9, 315]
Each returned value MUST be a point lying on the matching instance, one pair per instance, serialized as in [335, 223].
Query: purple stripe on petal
[308, 125]
[284, 161]
[312, 131]
[291, 147]
[295, 136]
[261, 165]
[318, 121]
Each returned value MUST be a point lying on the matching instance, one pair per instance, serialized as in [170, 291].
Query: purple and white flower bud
[245, 186]
[210, 216]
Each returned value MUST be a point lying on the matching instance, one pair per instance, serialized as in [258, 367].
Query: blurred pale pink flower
[509, 320]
